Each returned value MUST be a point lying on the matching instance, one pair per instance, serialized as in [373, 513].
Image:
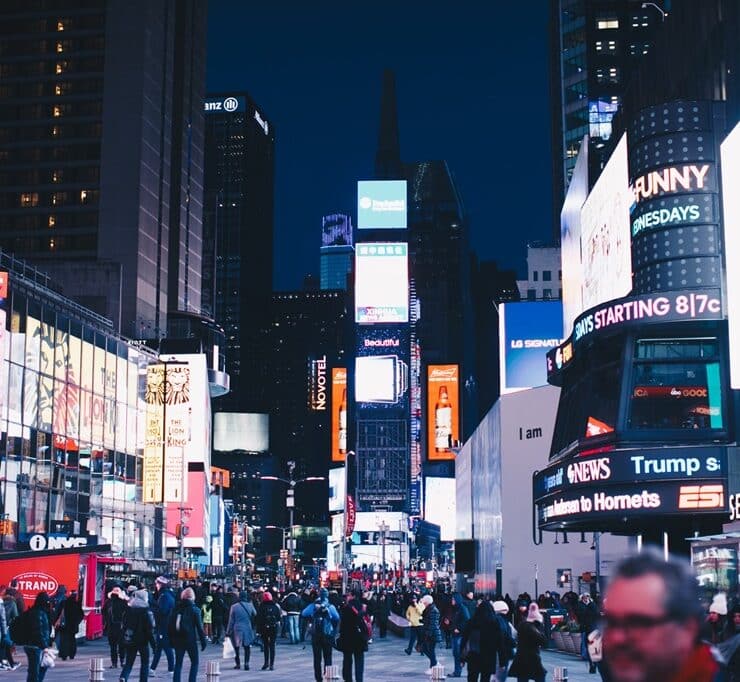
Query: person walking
[164, 603]
[484, 639]
[527, 664]
[38, 636]
[383, 612]
[587, 614]
[508, 637]
[139, 632]
[267, 624]
[353, 638]
[459, 616]
[218, 609]
[186, 632]
[10, 609]
[324, 620]
[431, 633]
[113, 612]
[69, 624]
[206, 612]
[413, 616]
[240, 628]
[292, 607]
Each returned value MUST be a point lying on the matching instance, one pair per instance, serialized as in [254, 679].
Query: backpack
[272, 617]
[21, 631]
[322, 627]
[180, 622]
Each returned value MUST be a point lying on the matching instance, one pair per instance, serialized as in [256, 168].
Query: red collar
[701, 666]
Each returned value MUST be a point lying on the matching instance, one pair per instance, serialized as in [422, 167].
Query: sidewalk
[385, 662]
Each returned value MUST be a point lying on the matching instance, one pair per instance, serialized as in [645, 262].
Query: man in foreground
[652, 619]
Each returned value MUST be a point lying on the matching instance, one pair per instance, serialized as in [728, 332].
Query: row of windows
[61, 45]
[72, 151]
[51, 132]
[546, 294]
[52, 87]
[59, 109]
[56, 67]
[546, 275]
[33, 199]
[79, 22]
[50, 176]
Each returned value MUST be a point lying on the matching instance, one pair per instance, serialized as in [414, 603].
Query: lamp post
[383, 527]
[345, 540]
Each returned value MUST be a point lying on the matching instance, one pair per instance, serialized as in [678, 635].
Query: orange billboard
[443, 410]
[338, 414]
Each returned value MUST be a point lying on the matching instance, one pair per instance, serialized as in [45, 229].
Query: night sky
[472, 88]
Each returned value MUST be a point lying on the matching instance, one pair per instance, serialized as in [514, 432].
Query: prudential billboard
[526, 332]
[381, 204]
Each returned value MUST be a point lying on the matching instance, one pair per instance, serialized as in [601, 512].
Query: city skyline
[318, 80]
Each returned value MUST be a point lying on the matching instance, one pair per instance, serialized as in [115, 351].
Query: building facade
[337, 253]
[544, 274]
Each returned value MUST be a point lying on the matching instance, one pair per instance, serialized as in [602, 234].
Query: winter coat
[139, 618]
[190, 630]
[430, 627]
[40, 628]
[241, 623]
[165, 603]
[527, 662]
[413, 615]
[292, 603]
[10, 608]
[115, 607]
[20, 602]
[268, 612]
[484, 627]
[72, 616]
[218, 607]
[352, 630]
[587, 615]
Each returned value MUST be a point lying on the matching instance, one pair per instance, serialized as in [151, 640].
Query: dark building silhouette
[238, 239]
[101, 150]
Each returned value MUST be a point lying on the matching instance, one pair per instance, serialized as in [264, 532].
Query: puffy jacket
[430, 627]
[352, 629]
[163, 609]
[190, 628]
[292, 603]
[138, 617]
[40, 628]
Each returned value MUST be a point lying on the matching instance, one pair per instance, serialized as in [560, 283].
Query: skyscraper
[101, 145]
[595, 45]
[336, 251]
[238, 233]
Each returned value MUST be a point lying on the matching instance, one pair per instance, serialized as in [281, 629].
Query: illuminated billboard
[226, 105]
[381, 367]
[605, 233]
[381, 204]
[245, 431]
[570, 240]
[336, 489]
[317, 384]
[381, 283]
[338, 414]
[527, 331]
[443, 410]
[439, 505]
[730, 155]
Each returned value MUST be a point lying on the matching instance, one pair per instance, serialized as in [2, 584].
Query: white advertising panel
[245, 431]
[730, 158]
[336, 489]
[570, 240]
[605, 233]
[381, 283]
[439, 505]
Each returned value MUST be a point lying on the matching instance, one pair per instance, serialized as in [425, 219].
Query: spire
[388, 156]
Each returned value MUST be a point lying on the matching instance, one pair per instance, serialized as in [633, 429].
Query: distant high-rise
[101, 150]
[595, 46]
[388, 155]
[336, 251]
[238, 234]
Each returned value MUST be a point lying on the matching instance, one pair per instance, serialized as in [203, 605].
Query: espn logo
[701, 496]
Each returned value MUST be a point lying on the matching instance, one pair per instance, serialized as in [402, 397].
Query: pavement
[384, 662]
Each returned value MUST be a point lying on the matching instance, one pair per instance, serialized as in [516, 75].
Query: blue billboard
[381, 204]
[527, 330]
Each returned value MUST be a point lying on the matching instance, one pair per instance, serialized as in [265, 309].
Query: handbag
[48, 658]
[228, 648]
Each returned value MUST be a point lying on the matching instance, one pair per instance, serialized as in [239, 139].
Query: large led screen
[381, 367]
[570, 240]
[730, 155]
[338, 414]
[439, 505]
[241, 431]
[381, 204]
[381, 283]
[526, 332]
[336, 489]
[605, 233]
[443, 410]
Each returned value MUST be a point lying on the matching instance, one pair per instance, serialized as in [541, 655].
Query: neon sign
[670, 180]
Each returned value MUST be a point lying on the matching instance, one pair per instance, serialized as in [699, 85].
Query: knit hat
[500, 607]
[162, 580]
[266, 597]
[719, 604]
[131, 589]
[534, 613]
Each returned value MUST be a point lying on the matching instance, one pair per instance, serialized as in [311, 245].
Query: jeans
[117, 650]
[35, 672]
[131, 651]
[163, 644]
[413, 636]
[429, 649]
[218, 629]
[320, 648]
[268, 639]
[456, 640]
[359, 657]
[382, 626]
[291, 621]
[192, 650]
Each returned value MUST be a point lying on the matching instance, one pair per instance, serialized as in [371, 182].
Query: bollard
[96, 669]
[213, 671]
[560, 674]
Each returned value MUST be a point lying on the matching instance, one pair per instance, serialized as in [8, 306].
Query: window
[560, 275]
[60, 25]
[676, 385]
[547, 276]
[52, 221]
[607, 23]
[535, 276]
[56, 111]
[29, 199]
[531, 294]
[547, 293]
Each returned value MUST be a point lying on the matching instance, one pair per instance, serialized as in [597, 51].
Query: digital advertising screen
[570, 240]
[606, 247]
[730, 156]
[338, 414]
[381, 204]
[527, 331]
[381, 283]
[336, 489]
[381, 366]
[246, 431]
[439, 505]
[443, 410]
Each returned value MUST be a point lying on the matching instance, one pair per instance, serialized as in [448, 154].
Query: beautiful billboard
[605, 233]
[443, 410]
[381, 283]
[241, 431]
[381, 204]
[527, 330]
[381, 367]
[338, 414]
[730, 155]
[439, 505]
